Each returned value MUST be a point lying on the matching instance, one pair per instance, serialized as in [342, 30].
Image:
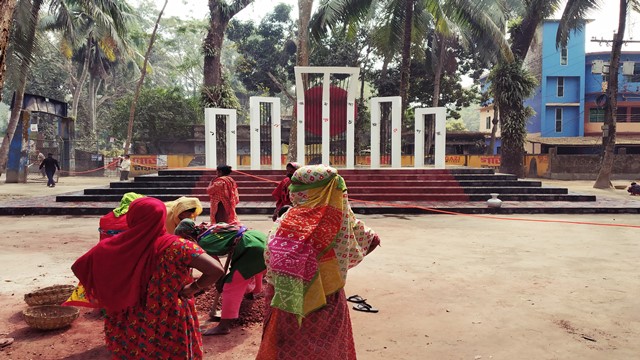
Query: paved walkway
[35, 198]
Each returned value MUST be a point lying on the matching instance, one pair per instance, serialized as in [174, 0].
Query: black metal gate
[221, 139]
[266, 123]
[385, 133]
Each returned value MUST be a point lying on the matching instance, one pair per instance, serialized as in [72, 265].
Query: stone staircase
[371, 191]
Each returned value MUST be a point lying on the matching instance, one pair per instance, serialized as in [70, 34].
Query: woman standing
[309, 252]
[223, 197]
[142, 278]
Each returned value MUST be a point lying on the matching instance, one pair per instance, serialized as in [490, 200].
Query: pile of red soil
[251, 311]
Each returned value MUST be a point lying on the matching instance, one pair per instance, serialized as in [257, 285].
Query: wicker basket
[49, 317]
[52, 295]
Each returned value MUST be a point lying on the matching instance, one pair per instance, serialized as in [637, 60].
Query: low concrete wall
[586, 167]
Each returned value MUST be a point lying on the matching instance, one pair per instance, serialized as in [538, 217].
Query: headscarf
[176, 207]
[125, 202]
[115, 221]
[187, 229]
[281, 192]
[117, 271]
[314, 243]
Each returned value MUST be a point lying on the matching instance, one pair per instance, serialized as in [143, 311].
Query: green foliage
[161, 114]
[456, 125]
[263, 49]
[511, 83]
[514, 26]
[219, 96]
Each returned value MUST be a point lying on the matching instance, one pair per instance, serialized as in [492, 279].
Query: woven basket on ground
[52, 295]
[49, 317]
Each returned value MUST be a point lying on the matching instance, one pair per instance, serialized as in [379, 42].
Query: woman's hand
[189, 290]
[374, 244]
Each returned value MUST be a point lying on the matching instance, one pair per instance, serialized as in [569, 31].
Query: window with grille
[558, 120]
[621, 114]
[564, 56]
[635, 114]
[560, 87]
[596, 115]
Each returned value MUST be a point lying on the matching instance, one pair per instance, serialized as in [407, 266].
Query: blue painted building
[570, 81]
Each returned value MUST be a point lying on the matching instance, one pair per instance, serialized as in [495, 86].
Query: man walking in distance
[125, 167]
[50, 165]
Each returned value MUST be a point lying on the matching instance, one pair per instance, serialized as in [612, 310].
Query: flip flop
[356, 299]
[5, 342]
[363, 306]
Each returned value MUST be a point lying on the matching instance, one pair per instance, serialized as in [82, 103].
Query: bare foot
[223, 328]
[5, 342]
[218, 330]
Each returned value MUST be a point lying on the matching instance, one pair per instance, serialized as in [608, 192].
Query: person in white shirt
[125, 167]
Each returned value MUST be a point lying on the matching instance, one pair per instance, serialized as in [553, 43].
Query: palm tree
[108, 13]
[573, 13]
[25, 41]
[7, 8]
[90, 36]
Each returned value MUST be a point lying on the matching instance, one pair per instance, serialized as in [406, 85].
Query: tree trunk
[437, 76]
[91, 103]
[83, 77]
[136, 95]
[213, 45]
[511, 150]
[302, 59]
[405, 67]
[430, 129]
[603, 181]
[494, 130]
[19, 94]
[7, 8]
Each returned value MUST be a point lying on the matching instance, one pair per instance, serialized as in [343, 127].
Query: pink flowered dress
[167, 327]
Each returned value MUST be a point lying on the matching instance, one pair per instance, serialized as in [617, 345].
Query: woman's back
[158, 327]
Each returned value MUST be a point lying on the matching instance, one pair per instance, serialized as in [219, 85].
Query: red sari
[223, 197]
[136, 277]
[324, 334]
[281, 193]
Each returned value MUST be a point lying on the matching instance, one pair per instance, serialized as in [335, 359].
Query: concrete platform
[47, 205]
[35, 198]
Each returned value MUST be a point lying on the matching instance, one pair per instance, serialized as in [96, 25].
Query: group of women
[142, 276]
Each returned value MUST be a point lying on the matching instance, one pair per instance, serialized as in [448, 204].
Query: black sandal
[356, 299]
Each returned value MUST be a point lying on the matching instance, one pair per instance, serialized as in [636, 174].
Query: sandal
[363, 306]
[356, 299]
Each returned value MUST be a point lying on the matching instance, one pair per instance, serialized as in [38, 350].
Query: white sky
[605, 20]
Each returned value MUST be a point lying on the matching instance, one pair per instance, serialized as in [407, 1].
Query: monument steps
[380, 185]
[352, 190]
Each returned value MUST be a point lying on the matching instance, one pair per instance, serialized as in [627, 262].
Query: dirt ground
[448, 287]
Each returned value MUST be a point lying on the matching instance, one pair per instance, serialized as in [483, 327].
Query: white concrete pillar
[440, 136]
[396, 130]
[211, 137]
[276, 137]
[353, 73]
